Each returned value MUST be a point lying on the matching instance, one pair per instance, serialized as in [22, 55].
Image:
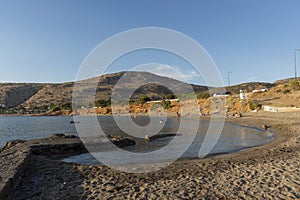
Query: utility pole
[295, 62]
[228, 76]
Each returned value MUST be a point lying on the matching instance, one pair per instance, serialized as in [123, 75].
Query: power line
[295, 62]
[228, 77]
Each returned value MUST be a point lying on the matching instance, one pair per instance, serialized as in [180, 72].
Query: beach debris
[161, 121]
[237, 114]
[265, 127]
[147, 138]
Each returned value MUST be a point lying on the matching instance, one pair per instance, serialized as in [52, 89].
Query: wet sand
[271, 171]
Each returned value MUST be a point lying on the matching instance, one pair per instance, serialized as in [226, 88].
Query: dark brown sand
[271, 171]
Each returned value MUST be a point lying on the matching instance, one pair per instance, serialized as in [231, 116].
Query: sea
[233, 137]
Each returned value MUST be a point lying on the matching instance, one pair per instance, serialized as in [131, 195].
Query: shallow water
[26, 128]
[185, 144]
[233, 138]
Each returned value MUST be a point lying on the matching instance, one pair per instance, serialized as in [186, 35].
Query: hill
[39, 95]
[13, 94]
[46, 97]
[250, 86]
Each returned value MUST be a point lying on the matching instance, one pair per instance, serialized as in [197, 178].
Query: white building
[261, 90]
[243, 95]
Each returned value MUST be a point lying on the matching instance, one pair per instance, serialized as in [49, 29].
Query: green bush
[66, 106]
[166, 104]
[132, 101]
[102, 103]
[55, 108]
[170, 96]
[144, 99]
[253, 105]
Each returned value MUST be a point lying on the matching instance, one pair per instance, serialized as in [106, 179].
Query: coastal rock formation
[157, 136]
[60, 135]
[11, 144]
[16, 155]
[120, 141]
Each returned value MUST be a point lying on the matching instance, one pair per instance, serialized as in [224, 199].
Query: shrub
[132, 101]
[144, 99]
[55, 108]
[66, 106]
[44, 108]
[102, 103]
[286, 91]
[170, 96]
[253, 105]
[166, 104]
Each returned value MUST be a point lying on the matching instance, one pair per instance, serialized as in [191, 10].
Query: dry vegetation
[45, 98]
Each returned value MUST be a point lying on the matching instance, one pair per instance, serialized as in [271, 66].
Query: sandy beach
[271, 171]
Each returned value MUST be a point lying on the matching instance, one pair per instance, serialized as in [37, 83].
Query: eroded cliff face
[14, 94]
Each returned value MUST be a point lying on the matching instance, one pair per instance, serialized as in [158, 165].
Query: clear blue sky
[46, 41]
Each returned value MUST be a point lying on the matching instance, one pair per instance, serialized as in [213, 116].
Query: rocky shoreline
[32, 170]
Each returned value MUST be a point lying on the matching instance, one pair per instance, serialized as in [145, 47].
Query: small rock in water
[73, 122]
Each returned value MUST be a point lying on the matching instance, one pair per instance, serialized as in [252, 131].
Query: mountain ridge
[46, 94]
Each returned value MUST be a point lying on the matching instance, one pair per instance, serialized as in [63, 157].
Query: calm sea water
[26, 128]
[233, 138]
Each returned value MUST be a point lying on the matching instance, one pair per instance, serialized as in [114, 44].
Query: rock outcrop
[121, 141]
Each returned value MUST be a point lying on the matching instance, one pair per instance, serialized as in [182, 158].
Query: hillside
[250, 86]
[38, 95]
[13, 94]
[46, 97]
